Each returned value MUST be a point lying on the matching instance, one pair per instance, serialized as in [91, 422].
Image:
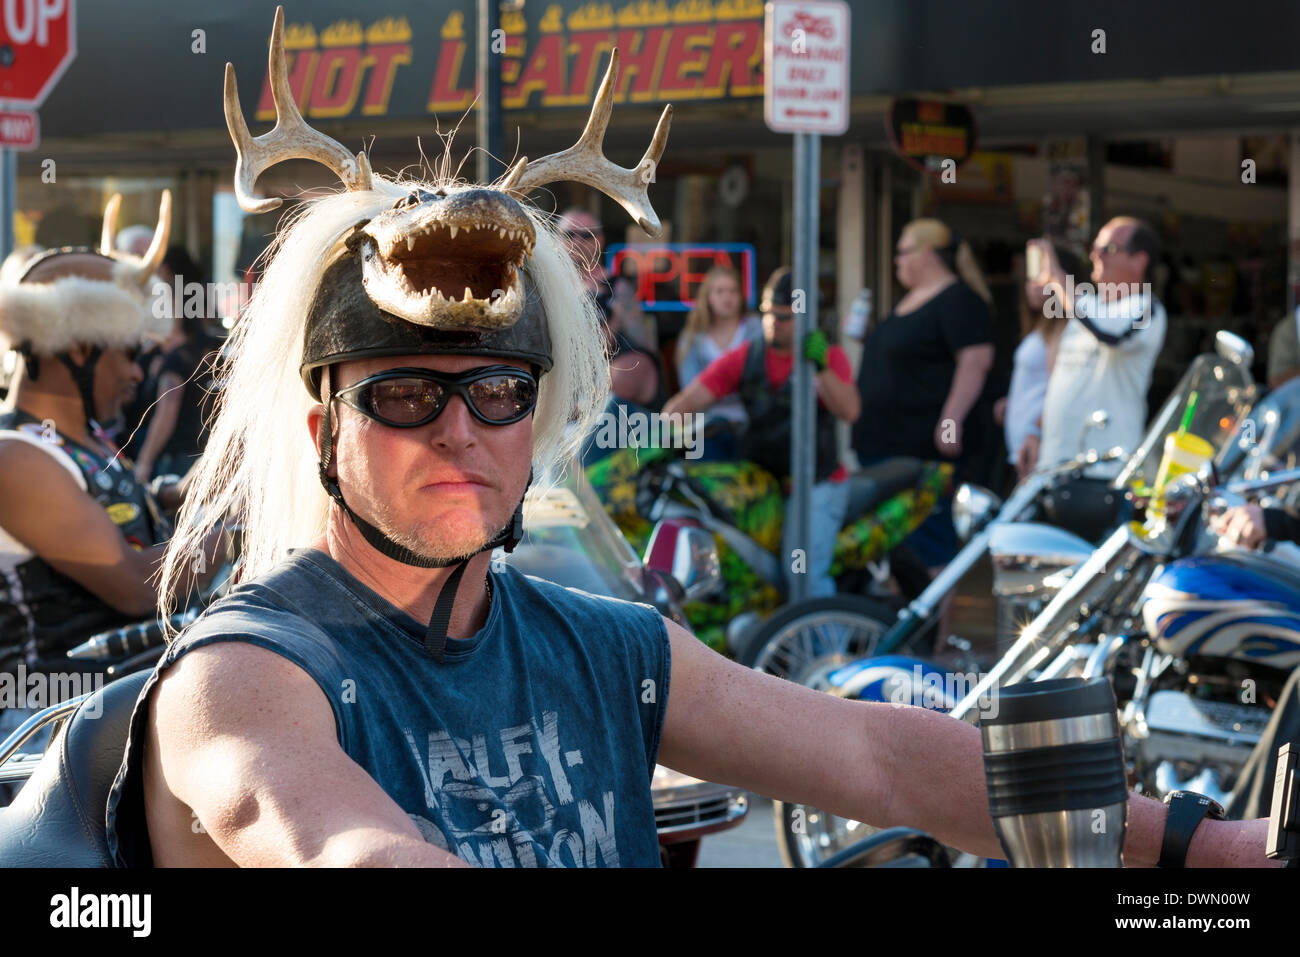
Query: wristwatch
[1186, 811]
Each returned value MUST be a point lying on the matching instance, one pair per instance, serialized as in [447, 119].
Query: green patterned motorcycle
[652, 494]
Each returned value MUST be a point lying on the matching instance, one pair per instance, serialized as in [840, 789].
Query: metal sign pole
[803, 426]
[8, 200]
[489, 91]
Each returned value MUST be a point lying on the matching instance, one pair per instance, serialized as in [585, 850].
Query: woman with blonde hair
[715, 325]
[924, 366]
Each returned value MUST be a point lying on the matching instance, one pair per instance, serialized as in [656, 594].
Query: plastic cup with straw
[1185, 452]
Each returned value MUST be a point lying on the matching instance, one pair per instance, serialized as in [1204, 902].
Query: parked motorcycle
[1091, 619]
[741, 506]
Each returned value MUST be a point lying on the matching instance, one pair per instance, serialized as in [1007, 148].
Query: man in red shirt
[760, 373]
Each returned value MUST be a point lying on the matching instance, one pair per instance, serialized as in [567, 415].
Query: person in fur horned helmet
[81, 541]
[375, 691]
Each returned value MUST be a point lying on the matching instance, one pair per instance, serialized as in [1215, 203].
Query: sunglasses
[410, 398]
[1109, 249]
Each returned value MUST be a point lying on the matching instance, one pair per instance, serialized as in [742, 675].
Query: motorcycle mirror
[972, 507]
[688, 554]
[1098, 420]
[1234, 348]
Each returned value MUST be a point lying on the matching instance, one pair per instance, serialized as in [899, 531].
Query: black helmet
[344, 324]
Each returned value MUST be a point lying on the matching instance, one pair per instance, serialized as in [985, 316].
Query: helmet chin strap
[435, 638]
[84, 377]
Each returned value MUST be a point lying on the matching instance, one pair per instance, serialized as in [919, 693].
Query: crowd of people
[83, 537]
[923, 378]
[923, 388]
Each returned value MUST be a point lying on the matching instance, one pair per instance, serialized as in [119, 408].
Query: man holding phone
[1107, 352]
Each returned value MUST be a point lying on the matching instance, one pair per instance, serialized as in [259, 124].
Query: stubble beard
[435, 542]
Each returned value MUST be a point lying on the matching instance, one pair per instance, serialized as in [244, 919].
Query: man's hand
[1243, 525]
[1027, 457]
[816, 347]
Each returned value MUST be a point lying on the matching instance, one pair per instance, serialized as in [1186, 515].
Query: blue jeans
[830, 502]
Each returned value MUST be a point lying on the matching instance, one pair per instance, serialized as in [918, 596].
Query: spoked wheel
[806, 641]
[807, 836]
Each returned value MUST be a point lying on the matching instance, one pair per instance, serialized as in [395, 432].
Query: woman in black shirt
[924, 366]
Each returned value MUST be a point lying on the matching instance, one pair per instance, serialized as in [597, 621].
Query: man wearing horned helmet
[80, 538]
[375, 692]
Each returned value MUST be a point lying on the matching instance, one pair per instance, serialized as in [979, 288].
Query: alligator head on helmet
[448, 257]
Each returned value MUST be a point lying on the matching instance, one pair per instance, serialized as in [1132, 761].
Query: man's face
[584, 235]
[443, 489]
[1111, 261]
[117, 375]
[778, 326]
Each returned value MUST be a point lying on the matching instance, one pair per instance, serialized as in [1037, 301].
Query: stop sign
[38, 39]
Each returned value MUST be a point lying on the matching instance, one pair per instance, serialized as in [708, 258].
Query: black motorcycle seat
[876, 483]
[58, 819]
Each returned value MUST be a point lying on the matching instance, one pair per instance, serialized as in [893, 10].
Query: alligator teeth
[410, 243]
[468, 295]
[454, 230]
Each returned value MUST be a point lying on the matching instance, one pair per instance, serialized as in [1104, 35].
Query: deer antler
[585, 162]
[291, 138]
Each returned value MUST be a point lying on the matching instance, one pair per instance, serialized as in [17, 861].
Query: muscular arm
[247, 740]
[42, 506]
[882, 764]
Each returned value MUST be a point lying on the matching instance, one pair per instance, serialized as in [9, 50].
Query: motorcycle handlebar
[130, 639]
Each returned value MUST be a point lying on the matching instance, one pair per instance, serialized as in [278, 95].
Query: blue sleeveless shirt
[531, 744]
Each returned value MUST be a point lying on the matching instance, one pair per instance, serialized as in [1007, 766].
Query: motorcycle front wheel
[806, 641]
[807, 836]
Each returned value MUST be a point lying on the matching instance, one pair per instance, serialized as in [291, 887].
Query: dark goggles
[410, 398]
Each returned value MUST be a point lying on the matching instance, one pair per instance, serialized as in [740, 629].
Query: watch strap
[1186, 810]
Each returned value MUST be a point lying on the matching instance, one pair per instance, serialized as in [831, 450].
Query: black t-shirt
[908, 363]
[192, 361]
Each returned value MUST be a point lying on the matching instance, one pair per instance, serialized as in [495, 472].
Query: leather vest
[43, 610]
[766, 440]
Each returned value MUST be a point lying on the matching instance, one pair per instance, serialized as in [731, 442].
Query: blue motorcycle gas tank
[894, 678]
[1240, 605]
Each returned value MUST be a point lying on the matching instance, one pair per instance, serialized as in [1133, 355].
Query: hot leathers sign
[390, 58]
